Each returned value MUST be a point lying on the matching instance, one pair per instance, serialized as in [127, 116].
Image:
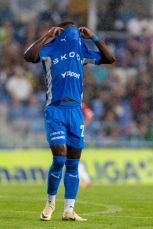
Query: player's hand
[86, 33]
[54, 31]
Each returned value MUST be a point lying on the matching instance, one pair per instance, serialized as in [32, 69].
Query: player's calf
[54, 178]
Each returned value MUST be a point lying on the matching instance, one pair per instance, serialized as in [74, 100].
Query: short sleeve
[90, 56]
[44, 51]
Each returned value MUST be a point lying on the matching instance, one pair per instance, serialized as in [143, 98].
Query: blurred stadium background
[120, 96]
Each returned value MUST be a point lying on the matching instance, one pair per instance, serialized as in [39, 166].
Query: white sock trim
[51, 198]
[69, 204]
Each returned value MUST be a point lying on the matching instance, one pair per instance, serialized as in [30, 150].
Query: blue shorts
[64, 124]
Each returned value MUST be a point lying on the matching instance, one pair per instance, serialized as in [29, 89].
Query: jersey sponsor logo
[66, 56]
[71, 74]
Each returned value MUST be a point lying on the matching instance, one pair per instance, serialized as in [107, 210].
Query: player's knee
[58, 163]
[72, 166]
[73, 153]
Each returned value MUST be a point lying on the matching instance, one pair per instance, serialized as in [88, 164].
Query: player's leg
[85, 180]
[71, 183]
[75, 143]
[56, 136]
[71, 177]
[59, 153]
[55, 172]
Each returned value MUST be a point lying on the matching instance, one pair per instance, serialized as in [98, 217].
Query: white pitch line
[59, 200]
[110, 209]
[128, 216]
[89, 214]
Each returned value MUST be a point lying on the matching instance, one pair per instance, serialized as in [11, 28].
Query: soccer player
[63, 52]
[87, 113]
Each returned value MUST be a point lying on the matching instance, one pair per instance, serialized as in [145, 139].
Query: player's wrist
[49, 35]
[94, 38]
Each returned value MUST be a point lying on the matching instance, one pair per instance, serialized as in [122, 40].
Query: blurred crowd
[120, 96]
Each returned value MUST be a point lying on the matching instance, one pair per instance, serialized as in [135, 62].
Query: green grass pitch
[108, 206]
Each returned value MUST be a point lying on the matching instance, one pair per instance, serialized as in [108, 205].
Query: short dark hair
[67, 23]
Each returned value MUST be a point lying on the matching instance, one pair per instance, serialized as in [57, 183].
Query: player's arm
[32, 52]
[107, 56]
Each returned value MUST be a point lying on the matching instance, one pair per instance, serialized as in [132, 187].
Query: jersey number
[82, 132]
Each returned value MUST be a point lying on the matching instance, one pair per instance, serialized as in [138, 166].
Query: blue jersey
[63, 59]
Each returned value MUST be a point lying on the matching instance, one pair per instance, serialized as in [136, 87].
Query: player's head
[70, 30]
[66, 24]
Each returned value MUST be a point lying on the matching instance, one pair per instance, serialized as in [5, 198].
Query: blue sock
[55, 174]
[71, 178]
